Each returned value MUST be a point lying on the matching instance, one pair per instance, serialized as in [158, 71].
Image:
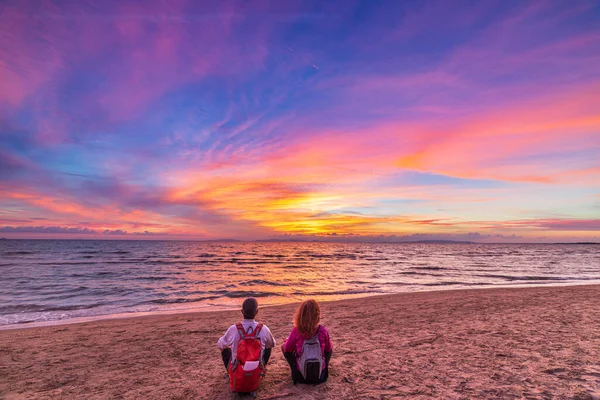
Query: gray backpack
[310, 362]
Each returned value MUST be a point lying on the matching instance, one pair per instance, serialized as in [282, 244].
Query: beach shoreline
[86, 281]
[530, 342]
[229, 307]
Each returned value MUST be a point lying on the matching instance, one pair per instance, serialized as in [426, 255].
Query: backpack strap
[252, 333]
[257, 330]
[261, 361]
[316, 333]
[235, 361]
[246, 335]
[240, 329]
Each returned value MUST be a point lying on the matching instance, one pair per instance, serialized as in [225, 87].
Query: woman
[308, 347]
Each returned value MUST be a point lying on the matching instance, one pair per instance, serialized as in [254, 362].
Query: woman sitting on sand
[308, 347]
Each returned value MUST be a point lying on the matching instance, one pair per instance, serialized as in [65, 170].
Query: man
[229, 341]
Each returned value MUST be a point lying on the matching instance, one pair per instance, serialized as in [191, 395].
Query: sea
[56, 281]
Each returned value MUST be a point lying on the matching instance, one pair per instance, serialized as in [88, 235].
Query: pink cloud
[25, 64]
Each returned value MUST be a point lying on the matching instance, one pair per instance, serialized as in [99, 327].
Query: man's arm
[226, 340]
[268, 336]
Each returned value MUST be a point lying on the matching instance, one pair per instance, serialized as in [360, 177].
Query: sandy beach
[539, 342]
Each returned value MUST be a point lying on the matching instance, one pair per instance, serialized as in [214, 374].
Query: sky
[324, 120]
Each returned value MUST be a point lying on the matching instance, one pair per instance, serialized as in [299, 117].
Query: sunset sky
[251, 120]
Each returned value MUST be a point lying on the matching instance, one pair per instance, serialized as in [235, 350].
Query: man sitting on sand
[229, 341]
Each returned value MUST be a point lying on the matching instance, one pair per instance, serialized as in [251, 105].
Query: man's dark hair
[250, 308]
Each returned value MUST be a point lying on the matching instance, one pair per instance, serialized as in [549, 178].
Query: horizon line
[432, 241]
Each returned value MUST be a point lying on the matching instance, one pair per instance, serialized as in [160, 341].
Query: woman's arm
[328, 346]
[289, 345]
[288, 348]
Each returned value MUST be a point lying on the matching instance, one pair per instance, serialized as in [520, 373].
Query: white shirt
[231, 337]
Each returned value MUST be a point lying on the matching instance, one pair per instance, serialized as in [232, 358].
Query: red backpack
[241, 379]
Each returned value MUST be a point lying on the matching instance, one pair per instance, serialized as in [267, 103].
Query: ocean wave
[257, 262]
[166, 262]
[43, 290]
[315, 255]
[349, 256]
[107, 273]
[67, 296]
[337, 292]
[375, 285]
[396, 283]
[234, 294]
[27, 308]
[151, 278]
[259, 282]
[121, 262]
[59, 263]
[178, 300]
[417, 273]
[17, 253]
[536, 278]
[449, 283]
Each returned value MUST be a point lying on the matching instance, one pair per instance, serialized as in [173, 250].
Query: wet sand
[490, 343]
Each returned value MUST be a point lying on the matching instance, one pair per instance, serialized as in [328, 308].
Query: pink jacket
[295, 341]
